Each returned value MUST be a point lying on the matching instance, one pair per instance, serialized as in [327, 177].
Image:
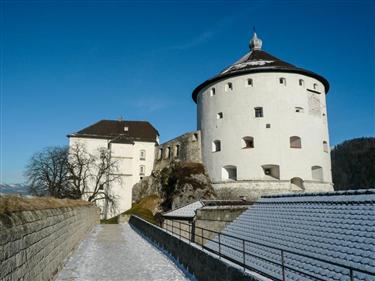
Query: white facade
[134, 161]
[265, 126]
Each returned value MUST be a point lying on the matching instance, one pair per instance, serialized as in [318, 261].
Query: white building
[131, 145]
[264, 126]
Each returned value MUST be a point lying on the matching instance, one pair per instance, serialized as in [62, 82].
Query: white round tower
[264, 126]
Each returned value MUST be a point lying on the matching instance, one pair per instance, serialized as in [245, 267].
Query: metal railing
[190, 232]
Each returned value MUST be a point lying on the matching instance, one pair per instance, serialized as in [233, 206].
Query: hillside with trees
[353, 164]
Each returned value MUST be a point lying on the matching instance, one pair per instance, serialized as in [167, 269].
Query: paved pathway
[117, 253]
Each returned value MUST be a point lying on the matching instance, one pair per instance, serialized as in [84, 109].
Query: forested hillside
[353, 164]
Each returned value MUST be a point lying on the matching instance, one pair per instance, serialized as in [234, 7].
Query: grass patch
[144, 208]
[10, 204]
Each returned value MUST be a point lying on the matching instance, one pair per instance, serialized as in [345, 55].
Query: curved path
[118, 253]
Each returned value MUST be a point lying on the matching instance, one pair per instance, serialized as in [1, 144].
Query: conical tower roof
[257, 61]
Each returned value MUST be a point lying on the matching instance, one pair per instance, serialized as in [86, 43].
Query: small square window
[212, 92]
[268, 126]
[301, 82]
[229, 87]
[258, 112]
[219, 115]
[249, 82]
[142, 155]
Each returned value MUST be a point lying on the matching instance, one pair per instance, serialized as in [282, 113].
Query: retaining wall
[34, 244]
[204, 266]
[254, 189]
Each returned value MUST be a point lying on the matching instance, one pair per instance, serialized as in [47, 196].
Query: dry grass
[145, 207]
[9, 204]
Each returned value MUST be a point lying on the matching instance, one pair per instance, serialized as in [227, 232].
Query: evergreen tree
[353, 164]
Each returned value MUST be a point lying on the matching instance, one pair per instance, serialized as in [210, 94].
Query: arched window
[301, 82]
[317, 173]
[298, 109]
[176, 153]
[247, 142]
[271, 171]
[229, 173]
[167, 153]
[194, 137]
[325, 146]
[228, 87]
[298, 182]
[295, 142]
[160, 153]
[212, 92]
[216, 146]
[282, 81]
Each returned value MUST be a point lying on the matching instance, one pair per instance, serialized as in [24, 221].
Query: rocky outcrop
[177, 184]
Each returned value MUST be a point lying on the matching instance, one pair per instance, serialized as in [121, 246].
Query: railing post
[282, 264]
[189, 233]
[219, 247]
[351, 274]
[172, 226]
[202, 238]
[244, 255]
[180, 229]
[193, 231]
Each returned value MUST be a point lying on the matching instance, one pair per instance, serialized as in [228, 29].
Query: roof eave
[259, 70]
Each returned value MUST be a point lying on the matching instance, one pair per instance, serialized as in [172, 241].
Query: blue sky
[68, 64]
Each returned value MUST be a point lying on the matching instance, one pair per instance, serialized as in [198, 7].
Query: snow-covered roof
[187, 211]
[257, 61]
[337, 227]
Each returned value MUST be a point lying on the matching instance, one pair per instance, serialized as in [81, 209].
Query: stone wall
[205, 266]
[215, 219]
[254, 189]
[186, 147]
[34, 244]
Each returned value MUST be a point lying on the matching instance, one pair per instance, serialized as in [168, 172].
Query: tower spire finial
[255, 42]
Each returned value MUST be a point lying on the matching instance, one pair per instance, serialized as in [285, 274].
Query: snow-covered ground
[117, 252]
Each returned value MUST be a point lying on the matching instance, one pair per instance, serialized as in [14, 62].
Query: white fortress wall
[131, 165]
[271, 145]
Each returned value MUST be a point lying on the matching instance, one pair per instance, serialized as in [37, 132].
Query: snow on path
[117, 253]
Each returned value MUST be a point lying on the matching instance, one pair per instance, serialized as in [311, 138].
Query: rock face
[178, 184]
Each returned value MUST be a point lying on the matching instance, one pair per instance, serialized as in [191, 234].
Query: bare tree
[92, 176]
[74, 173]
[47, 172]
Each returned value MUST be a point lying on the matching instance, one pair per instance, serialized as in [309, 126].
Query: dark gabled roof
[258, 61]
[115, 130]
